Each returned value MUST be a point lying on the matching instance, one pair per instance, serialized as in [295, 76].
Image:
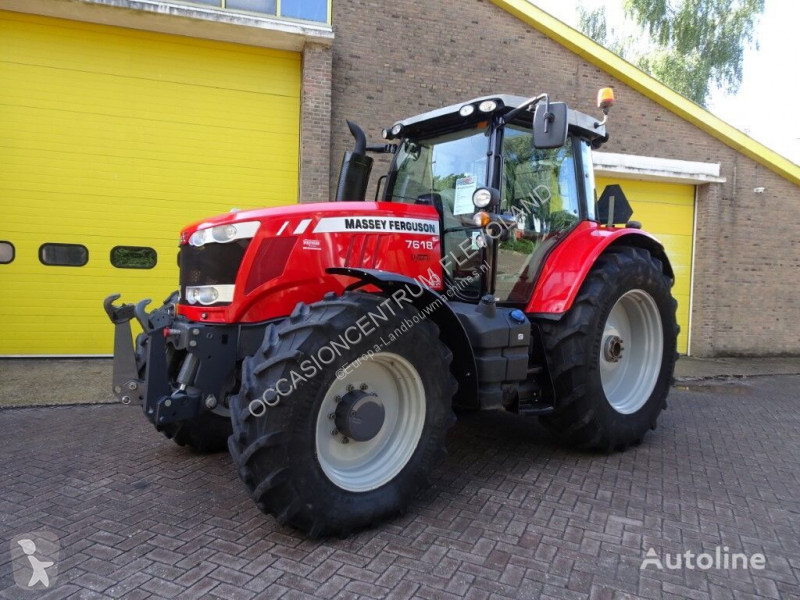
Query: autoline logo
[720, 558]
[34, 558]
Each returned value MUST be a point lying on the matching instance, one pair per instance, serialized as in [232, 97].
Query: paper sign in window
[465, 187]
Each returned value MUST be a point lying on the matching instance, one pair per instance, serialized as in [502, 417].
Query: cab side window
[540, 189]
[539, 185]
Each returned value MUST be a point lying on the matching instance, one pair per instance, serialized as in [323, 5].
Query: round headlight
[482, 197]
[198, 238]
[487, 106]
[385, 133]
[223, 233]
[466, 110]
[397, 129]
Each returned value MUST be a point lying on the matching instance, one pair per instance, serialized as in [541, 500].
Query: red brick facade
[315, 123]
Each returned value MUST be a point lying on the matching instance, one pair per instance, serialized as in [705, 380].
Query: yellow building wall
[112, 136]
[667, 211]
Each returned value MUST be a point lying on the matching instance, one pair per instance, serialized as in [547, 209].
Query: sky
[764, 105]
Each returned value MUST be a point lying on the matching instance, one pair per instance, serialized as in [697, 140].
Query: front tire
[612, 356]
[205, 434]
[300, 455]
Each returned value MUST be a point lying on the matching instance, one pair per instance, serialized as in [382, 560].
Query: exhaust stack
[355, 170]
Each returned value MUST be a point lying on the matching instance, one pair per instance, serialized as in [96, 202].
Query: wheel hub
[359, 415]
[613, 348]
[386, 379]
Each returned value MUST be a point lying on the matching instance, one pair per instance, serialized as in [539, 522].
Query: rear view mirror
[550, 125]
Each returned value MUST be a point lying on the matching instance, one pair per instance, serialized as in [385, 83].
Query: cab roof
[434, 122]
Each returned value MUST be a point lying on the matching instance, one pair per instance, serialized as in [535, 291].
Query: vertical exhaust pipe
[355, 170]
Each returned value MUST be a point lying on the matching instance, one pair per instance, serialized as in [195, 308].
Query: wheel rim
[631, 351]
[367, 465]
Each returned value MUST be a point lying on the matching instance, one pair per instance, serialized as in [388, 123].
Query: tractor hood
[229, 263]
[260, 215]
[303, 216]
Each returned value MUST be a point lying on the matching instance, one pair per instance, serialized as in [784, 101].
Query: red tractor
[328, 344]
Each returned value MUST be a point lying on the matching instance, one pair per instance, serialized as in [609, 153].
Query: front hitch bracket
[151, 321]
[209, 354]
[126, 384]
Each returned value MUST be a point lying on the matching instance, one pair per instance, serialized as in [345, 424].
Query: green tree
[693, 46]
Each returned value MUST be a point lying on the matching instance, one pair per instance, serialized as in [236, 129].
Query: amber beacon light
[605, 98]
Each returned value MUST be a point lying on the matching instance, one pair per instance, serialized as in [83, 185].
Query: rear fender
[451, 330]
[569, 263]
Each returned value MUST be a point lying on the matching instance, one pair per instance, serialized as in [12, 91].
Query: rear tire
[294, 457]
[206, 433]
[612, 356]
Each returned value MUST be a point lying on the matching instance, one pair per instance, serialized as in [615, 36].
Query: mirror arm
[382, 148]
[507, 118]
[548, 118]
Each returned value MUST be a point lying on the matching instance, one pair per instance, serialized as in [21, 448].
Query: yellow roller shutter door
[667, 211]
[117, 137]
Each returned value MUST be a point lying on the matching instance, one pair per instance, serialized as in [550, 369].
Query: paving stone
[511, 514]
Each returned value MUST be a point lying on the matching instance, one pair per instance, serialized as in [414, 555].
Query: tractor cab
[523, 165]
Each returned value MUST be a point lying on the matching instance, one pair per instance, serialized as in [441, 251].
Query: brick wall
[315, 123]
[392, 60]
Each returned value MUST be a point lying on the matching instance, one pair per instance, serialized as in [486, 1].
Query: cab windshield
[444, 172]
[443, 166]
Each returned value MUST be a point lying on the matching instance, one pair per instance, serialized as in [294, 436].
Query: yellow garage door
[112, 139]
[667, 211]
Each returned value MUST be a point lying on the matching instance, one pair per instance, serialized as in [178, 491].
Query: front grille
[212, 264]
